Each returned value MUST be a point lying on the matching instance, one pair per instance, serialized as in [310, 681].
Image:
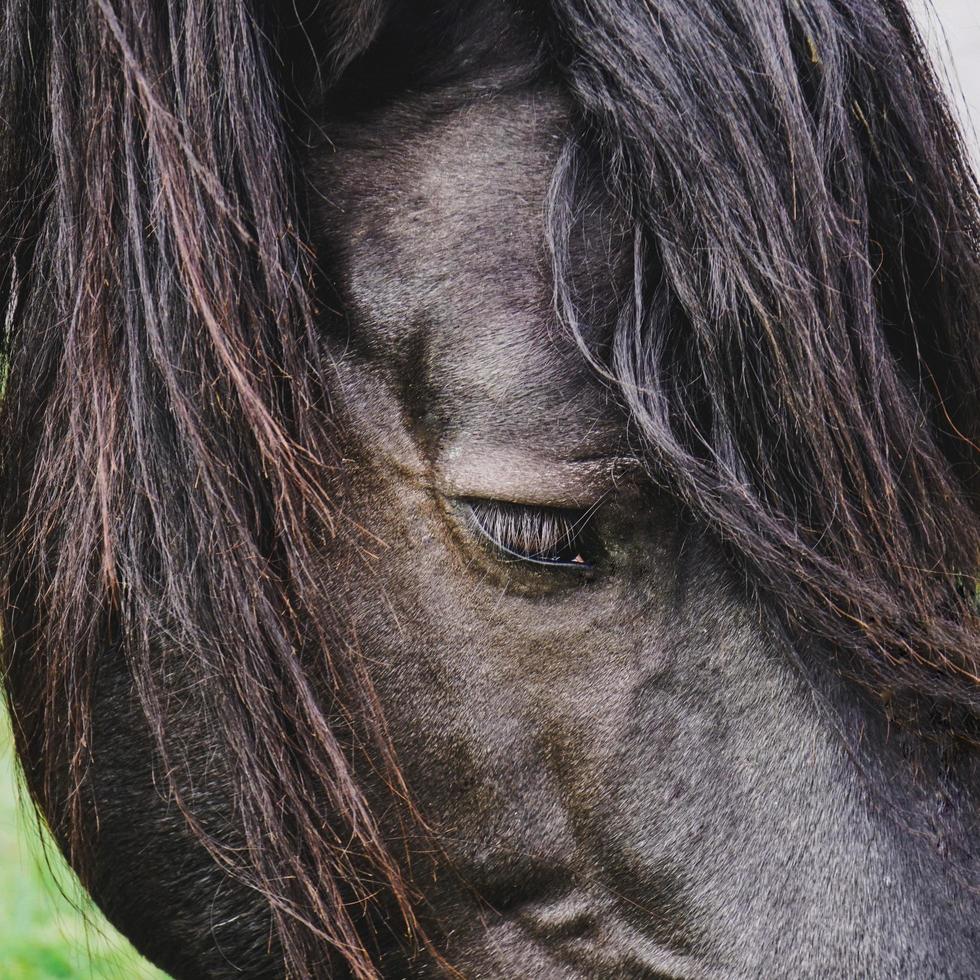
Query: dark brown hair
[800, 351]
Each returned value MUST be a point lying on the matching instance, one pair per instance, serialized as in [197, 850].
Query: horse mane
[800, 350]
[162, 481]
[797, 350]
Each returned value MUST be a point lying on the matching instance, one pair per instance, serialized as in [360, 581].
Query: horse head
[490, 489]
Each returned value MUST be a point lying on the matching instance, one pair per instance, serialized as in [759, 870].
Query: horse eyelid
[534, 535]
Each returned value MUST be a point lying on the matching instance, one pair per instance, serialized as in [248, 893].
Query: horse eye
[547, 536]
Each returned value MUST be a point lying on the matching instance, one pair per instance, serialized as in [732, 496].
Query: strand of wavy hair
[163, 444]
[800, 343]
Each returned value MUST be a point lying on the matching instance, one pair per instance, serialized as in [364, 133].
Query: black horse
[490, 488]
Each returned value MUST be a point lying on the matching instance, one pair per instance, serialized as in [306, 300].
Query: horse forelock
[796, 349]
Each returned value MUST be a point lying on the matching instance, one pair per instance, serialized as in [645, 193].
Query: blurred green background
[43, 933]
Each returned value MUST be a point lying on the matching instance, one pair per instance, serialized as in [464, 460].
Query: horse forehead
[442, 265]
[442, 228]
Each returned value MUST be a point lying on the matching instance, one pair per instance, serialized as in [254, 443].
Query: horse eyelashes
[546, 536]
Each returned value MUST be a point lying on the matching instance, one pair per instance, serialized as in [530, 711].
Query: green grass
[43, 934]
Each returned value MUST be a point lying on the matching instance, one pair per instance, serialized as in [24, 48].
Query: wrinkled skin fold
[482, 495]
